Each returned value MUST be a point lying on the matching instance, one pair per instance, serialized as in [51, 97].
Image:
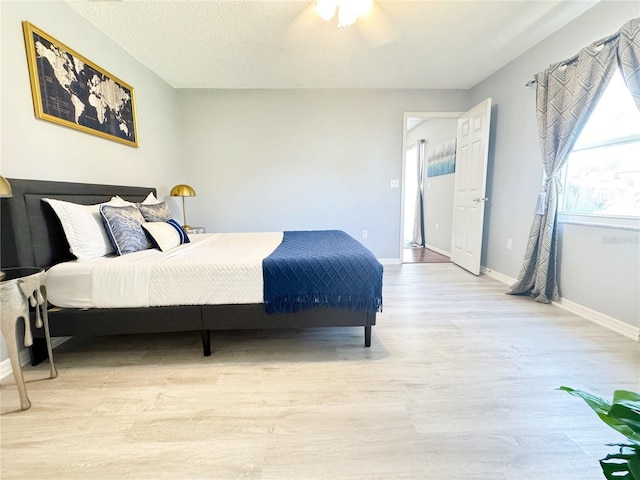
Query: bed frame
[32, 236]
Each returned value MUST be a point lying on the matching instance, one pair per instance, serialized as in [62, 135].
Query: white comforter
[223, 268]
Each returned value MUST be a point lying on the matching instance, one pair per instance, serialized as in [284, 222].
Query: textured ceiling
[283, 44]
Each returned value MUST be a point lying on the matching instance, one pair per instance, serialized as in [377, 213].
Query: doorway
[427, 201]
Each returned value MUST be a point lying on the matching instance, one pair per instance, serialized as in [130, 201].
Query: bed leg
[367, 335]
[206, 342]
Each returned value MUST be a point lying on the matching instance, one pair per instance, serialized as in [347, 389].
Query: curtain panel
[566, 95]
[629, 57]
[418, 218]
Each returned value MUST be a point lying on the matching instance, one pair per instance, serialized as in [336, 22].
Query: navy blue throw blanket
[325, 268]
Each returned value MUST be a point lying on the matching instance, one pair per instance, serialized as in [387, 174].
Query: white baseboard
[606, 321]
[498, 276]
[594, 316]
[25, 359]
[438, 250]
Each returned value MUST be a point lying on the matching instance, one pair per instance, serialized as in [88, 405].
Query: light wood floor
[423, 255]
[459, 383]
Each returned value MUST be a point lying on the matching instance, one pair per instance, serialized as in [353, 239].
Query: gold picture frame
[72, 91]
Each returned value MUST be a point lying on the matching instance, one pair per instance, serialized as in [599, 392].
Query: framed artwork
[441, 160]
[70, 90]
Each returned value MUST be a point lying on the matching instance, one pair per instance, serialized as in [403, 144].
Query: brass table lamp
[183, 190]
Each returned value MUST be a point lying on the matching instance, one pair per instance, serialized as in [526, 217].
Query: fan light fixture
[348, 10]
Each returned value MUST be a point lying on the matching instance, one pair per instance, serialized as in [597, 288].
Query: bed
[33, 236]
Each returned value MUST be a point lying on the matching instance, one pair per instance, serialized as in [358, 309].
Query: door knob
[478, 200]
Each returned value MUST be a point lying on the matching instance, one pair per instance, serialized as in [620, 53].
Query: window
[602, 175]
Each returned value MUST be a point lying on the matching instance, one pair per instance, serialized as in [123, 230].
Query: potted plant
[623, 415]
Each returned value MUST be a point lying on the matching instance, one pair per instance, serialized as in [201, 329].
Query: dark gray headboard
[30, 232]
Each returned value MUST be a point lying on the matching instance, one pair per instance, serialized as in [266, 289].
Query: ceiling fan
[348, 10]
[364, 15]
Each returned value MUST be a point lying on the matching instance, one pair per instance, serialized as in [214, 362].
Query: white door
[469, 186]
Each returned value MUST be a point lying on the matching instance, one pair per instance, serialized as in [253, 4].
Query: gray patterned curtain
[629, 57]
[418, 219]
[566, 94]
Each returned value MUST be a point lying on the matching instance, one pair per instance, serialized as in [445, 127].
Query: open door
[470, 182]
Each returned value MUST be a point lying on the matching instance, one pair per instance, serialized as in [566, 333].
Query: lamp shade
[182, 190]
[5, 188]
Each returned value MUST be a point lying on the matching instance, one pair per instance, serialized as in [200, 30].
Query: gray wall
[38, 149]
[593, 273]
[301, 159]
[32, 148]
[438, 191]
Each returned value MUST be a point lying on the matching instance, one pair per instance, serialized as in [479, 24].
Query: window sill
[600, 221]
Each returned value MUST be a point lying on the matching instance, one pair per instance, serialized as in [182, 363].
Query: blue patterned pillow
[158, 212]
[124, 228]
[184, 238]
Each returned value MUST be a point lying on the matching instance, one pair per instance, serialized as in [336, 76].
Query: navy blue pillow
[184, 238]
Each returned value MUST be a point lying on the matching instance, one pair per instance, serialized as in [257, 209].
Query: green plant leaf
[624, 416]
[615, 467]
[597, 404]
[621, 395]
[629, 417]
[634, 466]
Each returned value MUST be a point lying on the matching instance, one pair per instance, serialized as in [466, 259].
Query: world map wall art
[70, 90]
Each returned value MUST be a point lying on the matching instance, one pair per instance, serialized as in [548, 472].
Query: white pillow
[164, 235]
[120, 202]
[117, 201]
[83, 227]
[150, 200]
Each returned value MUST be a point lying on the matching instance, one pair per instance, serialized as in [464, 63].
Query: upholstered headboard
[31, 234]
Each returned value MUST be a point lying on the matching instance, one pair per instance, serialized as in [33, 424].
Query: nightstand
[195, 230]
[19, 289]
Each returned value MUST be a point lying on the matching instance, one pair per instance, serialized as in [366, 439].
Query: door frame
[405, 118]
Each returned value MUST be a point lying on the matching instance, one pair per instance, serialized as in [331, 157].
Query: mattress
[214, 269]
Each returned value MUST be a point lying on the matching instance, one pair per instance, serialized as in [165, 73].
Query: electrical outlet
[365, 233]
[395, 183]
[509, 244]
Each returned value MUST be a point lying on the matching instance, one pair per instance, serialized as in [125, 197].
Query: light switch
[395, 183]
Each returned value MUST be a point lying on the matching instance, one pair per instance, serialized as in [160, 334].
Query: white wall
[32, 148]
[593, 273]
[438, 191]
[301, 159]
